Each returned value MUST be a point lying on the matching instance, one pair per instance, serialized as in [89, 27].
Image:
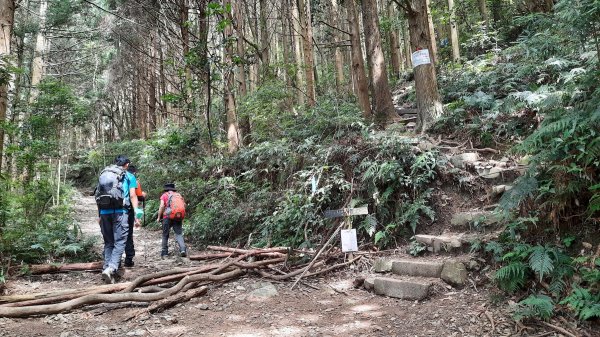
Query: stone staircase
[413, 279]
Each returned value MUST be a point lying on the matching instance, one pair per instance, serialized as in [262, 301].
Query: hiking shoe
[128, 263]
[108, 275]
[164, 257]
[182, 253]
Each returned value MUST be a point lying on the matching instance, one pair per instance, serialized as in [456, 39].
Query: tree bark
[37, 65]
[307, 43]
[406, 41]
[241, 68]
[339, 62]
[483, 11]
[383, 107]
[428, 99]
[265, 60]
[453, 32]
[49, 268]
[7, 17]
[394, 45]
[299, 58]
[361, 86]
[433, 48]
[233, 131]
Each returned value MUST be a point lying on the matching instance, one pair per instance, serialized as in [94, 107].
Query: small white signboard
[420, 57]
[349, 243]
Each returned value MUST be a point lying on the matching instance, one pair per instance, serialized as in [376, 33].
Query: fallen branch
[201, 257]
[288, 275]
[489, 316]
[169, 302]
[49, 309]
[256, 251]
[319, 253]
[37, 269]
[559, 329]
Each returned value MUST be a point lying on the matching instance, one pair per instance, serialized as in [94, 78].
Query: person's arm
[161, 209]
[133, 198]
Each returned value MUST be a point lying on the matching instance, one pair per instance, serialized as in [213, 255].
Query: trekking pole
[144, 208]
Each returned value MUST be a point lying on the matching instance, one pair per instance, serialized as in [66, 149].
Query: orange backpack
[175, 208]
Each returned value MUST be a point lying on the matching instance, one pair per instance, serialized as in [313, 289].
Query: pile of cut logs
[169, 287]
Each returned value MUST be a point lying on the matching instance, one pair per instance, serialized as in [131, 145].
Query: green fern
[512, 276]
[585, 304]
[535, 306]
[540, 261]
[524, 188]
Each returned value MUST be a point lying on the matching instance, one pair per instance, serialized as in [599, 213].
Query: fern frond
[512, 276]
[540, 261]
[539, 306]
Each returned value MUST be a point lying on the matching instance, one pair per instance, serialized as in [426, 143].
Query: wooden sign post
[348, 236]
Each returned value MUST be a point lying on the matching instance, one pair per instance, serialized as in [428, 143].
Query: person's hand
[139, 213]
[158, 220]
[137, 223]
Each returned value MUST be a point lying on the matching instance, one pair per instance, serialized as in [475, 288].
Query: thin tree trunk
[483, 11]
[339, 62]
[295, 14]
[37, 66]
[394, 46]
[453, 32]
[241, 68]
[358, 67]
[265, 60]
[433, 47]
[428, 99]
[307, 37]
[233, 132]
[7, 16]
[383, 107]
[406, 41]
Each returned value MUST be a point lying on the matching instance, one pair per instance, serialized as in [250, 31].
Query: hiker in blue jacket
[115, 195]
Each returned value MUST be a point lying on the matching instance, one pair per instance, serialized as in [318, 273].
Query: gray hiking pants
[114, 228]
[177, 226]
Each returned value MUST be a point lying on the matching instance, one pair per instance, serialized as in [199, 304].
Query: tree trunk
[37, 66]
[406, 41]
[383, 107]
[241, 68]
[339, 62]
[307, 40]
[483, 11]
[361, 85]
[453, 32]
[299, 58]
[433, 48]
[7, 16]
[428, 99]
[265, 60]
[233, 132]
[394, 45]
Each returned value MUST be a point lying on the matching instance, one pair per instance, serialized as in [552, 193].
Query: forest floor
[330, 306]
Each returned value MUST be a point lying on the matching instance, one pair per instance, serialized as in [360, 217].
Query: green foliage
[512, 276]
[584, 303]
[416, 248]
[535, 306]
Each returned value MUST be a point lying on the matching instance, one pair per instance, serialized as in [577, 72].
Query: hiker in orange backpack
[171, 212]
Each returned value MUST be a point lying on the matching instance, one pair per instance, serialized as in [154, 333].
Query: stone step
[403, 289]
[438, 243]
[483, 218]
[417, 268]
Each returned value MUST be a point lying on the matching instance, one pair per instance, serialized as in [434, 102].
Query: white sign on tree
[420, 57]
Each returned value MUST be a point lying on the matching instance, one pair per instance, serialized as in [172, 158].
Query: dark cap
[122, 160]
[169, 187]
[132, 168]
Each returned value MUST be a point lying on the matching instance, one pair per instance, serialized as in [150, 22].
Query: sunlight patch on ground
[235, 318]
[365, 308]
[309, 318]
[288, 331]
[352, 327]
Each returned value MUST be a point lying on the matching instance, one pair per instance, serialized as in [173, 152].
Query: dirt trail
[236, 309]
